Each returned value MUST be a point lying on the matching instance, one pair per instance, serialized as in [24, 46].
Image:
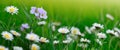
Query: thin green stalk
[76, 45]
[110, 42]
[116, 46]
[84, 48]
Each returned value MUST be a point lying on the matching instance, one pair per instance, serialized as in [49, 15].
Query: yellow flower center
[34, 48]
[63, 31]
[32, 37]
[7, 36]
[2, 48]
[12, 9]
[74, 31]
[43, 40]
[15, 33]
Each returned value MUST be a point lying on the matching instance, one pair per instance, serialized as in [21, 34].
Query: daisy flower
[66, 41]
[15, 33]
[17, 48]
[109, 16]
[63, 30]
[3, 48]
[56, 42]
[35, 47]
[41, 23]
[84, 40]
[112, 32]
[7, 35]
[75, 31]
[44, 40]
[88, 29]
[96, 26]
[32, 37]
[12, 9]
[117, 30]
[101, 35]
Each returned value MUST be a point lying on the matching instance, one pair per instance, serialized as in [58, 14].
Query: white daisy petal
[44, 40]
[63, 30]
[15, 33]
[109, 16]
[17, 48]
[35, 47]
[12, 9]
[32, 37]
[3, 48]
[7, 35]
[101, 35]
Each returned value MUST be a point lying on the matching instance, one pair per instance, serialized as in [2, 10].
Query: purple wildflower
[33, 10]
[39, 12]
[24, 26]
[43, 13]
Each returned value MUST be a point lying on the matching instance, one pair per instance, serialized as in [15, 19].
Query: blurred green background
[68, 12]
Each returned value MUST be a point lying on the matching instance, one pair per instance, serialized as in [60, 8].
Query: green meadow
[77, 13]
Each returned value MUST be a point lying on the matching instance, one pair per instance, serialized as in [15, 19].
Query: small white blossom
[3, 48]
[66, 41]
[15, 33]
[17, 48]
[112, 32]
[32, 37]
[35, 47]
[7, 35]
[56, 42]
[41, 23]
[96, 26]
[44, 40]
[63, 30]
[88, 30]
[75, 31]
[84, 40]
[101, 35]
[12, 9]
[109, 16]
[117, 30]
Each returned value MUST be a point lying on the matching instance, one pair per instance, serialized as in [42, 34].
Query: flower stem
[110, 42]
[116, 46]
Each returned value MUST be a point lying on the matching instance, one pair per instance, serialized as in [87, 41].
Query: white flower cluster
[9, 36]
